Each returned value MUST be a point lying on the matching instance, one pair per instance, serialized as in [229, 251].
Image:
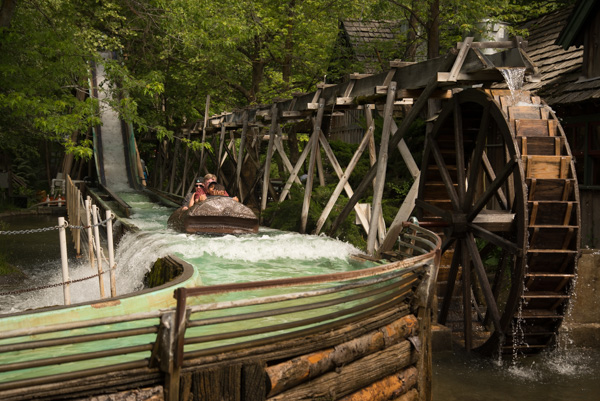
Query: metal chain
[51, 285]
[67, 225]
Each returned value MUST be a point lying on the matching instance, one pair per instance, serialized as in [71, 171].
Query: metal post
[111, 255]
[98, 250]
[63, 256]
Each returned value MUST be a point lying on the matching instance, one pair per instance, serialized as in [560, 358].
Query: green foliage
[287, 214]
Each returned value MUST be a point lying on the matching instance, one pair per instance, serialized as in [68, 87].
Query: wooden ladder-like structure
[553, 224]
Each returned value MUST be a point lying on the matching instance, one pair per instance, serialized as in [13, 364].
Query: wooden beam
[381, 168]
[267, 172]
[311, 166]
[343, 181]
[404, 126]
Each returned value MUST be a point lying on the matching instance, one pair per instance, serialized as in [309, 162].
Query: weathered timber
[311, 166]
[298, 346]
[343, 180]
[354, 376]
[381, 169]
[432, 85]
[392, 386]
[295, 371]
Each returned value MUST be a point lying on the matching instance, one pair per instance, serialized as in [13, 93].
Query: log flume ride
[215, 215]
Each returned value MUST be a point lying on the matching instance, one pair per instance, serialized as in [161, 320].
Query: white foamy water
[269, 254]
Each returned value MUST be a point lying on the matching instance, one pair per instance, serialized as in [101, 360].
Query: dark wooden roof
[372, 42]
[560, 69]
[580, 17]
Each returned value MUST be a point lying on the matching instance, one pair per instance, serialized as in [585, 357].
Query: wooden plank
[523, 112]
[403, 215]
[460, 59]
[547, 166]
[525, 127]
[311, 166]
[381, 168]
[218, 384]
[253, 384]
[541, 146]
[267, 172]
[238, 170]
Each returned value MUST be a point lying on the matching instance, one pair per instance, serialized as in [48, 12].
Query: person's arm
[186, 201]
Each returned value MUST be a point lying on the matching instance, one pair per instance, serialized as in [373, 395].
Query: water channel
[558, 375]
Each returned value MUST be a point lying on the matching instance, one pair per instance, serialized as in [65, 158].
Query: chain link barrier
[44, 287]
[51, 228]
[66, 225]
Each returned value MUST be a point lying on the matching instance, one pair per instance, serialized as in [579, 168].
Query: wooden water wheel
[498, 178]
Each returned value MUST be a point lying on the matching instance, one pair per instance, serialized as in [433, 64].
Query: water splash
[268, 254]
[515, 78]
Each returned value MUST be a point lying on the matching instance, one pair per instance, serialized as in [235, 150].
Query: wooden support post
[88, 218]
[320, 171]
[202, 159]
[381, 168]
[186, 165]
[174, 164]
[267, 172]
[311, 165]
[98, 250]
[64, 260]
[111, 255]
[221, 143]
[240, 162]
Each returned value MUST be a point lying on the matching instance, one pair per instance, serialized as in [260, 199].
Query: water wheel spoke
[497, 283]
[493, 188]
[483, 280]
[447, 243]
[466, 293]
[477, 155]
[460, 154]
[494, 238]
[450, 284]
[446, 178]
[492, 174]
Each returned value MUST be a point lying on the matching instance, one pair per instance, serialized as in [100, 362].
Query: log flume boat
[216, 215]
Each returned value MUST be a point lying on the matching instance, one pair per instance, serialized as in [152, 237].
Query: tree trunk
[433, 39]
[7, 10]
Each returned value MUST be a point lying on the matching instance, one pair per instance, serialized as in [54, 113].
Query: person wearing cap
[198, 195]
[216, 189]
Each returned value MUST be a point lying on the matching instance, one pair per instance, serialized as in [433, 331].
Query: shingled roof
[372, 43]
[561, 70]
